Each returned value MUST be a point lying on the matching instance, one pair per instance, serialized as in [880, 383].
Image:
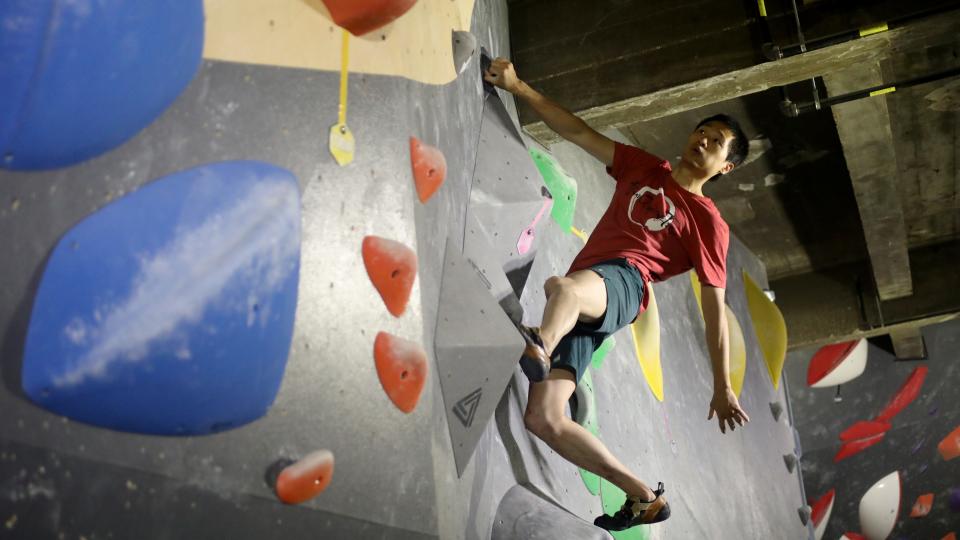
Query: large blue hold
[79, 77]
[170, 311]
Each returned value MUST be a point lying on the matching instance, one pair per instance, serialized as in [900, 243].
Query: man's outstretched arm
[724, 403]
[565, 123]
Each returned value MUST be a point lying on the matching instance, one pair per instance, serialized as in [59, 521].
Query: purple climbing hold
[916, 447]
[955, 499]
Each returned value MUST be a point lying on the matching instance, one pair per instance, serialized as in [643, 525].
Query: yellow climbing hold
[580, 234]
[737, 346]
[769, 326]
[738, 352]
[646, 345]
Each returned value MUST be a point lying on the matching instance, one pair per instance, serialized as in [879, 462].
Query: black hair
[739, 146]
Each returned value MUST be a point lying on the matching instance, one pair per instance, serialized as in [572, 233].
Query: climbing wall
[920, 442]
[741, 473]
[276, 297]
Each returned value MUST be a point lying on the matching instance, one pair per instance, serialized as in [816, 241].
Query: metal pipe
[796, 109]
[775, 52]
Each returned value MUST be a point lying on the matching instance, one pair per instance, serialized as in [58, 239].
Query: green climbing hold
[612, 498]
[590, 480]
[598, 355]
[562, 187]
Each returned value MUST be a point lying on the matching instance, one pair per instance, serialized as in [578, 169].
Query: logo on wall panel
[466, 408]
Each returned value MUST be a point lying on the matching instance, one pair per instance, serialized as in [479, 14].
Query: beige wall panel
[301, 34]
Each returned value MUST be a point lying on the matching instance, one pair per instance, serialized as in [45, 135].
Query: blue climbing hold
[170, 311]
[81, 77]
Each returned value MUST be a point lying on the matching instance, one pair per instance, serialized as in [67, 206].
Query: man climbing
[658, 224]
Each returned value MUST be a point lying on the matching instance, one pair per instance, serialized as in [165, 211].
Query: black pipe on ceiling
[791, 109]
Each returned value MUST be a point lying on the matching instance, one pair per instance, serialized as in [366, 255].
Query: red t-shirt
[656, 225]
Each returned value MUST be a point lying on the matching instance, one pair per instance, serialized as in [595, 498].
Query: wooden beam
[838, 304]
[908, 342]
[692, 95]
[868, 148]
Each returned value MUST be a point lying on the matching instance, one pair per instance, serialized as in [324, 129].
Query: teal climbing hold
[562, 187]
[601, 353]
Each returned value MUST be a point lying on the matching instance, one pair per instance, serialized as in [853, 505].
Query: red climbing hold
[852, 536]
[820, 507]
[827, 359]
[306, 478]
[950, 536]
[855, 447]
[402, 368]
[429, 168]
[905, 395]
[923, 505]
[949, 447]
[392, 267]
[364, 16]
[864, 429]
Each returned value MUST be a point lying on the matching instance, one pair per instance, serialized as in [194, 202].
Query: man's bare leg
[580, 296]
[545, 418]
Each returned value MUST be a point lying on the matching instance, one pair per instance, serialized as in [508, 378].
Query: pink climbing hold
[306, 478]
[364, 16]
[864, 429]
[525, 242]
[905, 395]
[855, 447]
[429, 168]
[402, 369]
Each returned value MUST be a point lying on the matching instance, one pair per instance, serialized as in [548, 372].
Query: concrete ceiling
[860, 192]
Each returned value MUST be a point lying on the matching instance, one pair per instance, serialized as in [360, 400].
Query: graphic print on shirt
[651, 208]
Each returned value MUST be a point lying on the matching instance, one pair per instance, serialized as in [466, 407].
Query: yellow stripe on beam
[763, 8]
[870, 30]
[882, 91]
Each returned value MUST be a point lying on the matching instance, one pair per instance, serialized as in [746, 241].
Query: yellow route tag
[342, 144]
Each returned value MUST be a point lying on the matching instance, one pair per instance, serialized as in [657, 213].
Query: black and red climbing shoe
[636, 512]
[535, 363]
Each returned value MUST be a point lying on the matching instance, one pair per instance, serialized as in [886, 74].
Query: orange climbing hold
[392, 267]
[402, 368]
[364, 16]
[923, 505]
[950, 536]
[306, 478]
[949, 447]
[429, 168]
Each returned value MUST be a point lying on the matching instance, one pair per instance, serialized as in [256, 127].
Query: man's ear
[727, 167]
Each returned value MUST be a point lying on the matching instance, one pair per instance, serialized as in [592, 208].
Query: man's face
[707, 148]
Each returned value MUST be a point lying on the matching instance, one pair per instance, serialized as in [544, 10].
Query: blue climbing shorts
[625, 290]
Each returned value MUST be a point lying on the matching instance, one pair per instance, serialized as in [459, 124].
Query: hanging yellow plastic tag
[342, 144]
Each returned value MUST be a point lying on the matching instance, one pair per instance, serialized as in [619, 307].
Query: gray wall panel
[910, 446]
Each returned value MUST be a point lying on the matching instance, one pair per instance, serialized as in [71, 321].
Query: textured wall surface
[909, 447]
[395, 475]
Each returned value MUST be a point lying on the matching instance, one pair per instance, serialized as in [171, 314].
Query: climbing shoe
[636, 512]
[535, 363]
